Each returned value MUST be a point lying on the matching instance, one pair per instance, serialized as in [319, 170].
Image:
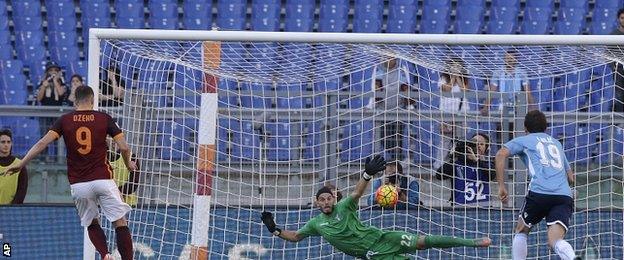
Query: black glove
[267, 219]
[373, 166]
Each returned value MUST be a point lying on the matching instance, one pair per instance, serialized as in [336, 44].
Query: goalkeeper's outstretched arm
[371, 168]
[292, 236]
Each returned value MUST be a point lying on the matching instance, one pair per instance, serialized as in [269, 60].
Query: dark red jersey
[85, 134]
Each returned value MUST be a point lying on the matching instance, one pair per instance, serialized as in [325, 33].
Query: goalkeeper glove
[267, 219]
[373, 166]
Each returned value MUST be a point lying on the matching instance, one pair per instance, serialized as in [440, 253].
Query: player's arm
[292, 236]
[33, 152]
[371, 168]
[500, 162]
[571, 178]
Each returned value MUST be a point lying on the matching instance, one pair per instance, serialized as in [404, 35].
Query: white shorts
[88, 195]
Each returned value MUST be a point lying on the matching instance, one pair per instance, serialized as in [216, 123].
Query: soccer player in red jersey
[84, 132]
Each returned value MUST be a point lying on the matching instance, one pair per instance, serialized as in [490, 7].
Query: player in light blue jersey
[549, 195]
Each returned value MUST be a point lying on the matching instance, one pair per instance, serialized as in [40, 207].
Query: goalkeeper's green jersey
[343, 230]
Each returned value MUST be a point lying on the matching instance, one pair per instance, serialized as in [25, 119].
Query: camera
[461, 147]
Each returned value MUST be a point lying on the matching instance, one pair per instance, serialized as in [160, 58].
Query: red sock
[96, 234]
[124, 242]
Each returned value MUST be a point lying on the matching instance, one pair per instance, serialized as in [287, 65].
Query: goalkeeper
[339, 226]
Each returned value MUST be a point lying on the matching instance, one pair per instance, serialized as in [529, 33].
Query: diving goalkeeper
[339, 226]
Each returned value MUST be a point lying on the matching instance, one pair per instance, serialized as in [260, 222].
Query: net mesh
[293, 117]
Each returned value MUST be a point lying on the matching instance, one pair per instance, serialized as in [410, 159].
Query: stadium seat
[334, 8]
[62, 38]
[130, 9]
[223, 138]
[282, 145]
[61, 8]
[604, 15]
[567, 27]
[357, 140]
[65, 55]
[94, 11]
[28, 23]
[290, 96]
[504, 13]
[6, 53]
[311, 135]
[11, 67]
[534, 27]
[26, 8]
[130, 22]
[62, 23]
[401, 26]
[575, 3]
[402, 10]
[256, 98]
[368, 9]
[468, 27]
[16, 96]
[572, 14]
[78, 67]
[25, 135]
[231, 23]
[470, 13]
[608, 4]
[367, 26]
[437, 13]
[303, 9]
[3, 9]
[437, 3]
[501, 27]
[297, 24]
[328, 85]
[602, 94]
[540, 3]
[245, 141]
[333, 24]
[601, 28]
[265, 17]
[197, 15]
[470, 3]
[422, 140]
[537, 14]
[163, 23]
[163, 8]
[509, 3]
[434, 26]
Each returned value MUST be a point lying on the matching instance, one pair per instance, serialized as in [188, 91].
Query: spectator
[508, 80]
[406, 185]
[112, 88]
[127, 181]
[618, 105]
[453, 80]
[76, 81]
[12, 187]
[52, 87]
[470, 172]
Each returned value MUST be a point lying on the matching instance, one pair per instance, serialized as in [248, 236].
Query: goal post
[227, 124]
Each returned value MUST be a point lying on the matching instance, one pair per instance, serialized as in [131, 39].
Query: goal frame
[208, 110]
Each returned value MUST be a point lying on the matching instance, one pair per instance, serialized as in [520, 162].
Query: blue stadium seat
[328, 85]
[62, 23]
[470, 13]
[130, 9]
[197, 14]
[534, 27]
[265, 17]
[504, 13]
[367, 26]
[572, 14]
[29, 45]
[434, 26]
[357, 140]
[437, 13]
[233, 9]
[163, 23]
[510, 3]
[3, 9]
[575, 3]
[568, 27]
[95, 22]
[62, 38]
[245, 141]
[597, 28]
[6, 53]
[470, 3]
[501, 27]
[368, 9]
[65, 55]
[537, 14]
[94, 10]
[608, 4]
[130, 22]
[362, 81]
[28, 23]
[293, 98]
[4, 23]
[78, 67]
[25, 135]
[540, 3]
[300, 9]
[333, 24]
[60, 8]
[402, 10]
[223, 138]
[422, 139]
[311, 134]
[11, 67]
[602, 94]
[231, 23]
[172, 137]
[281, 143]
[297, 24]
[542, 90]
[334, 8]
[401, 26]
[5, 37]
[256, 98]
[16, 96]
[437, 3]
[26, 8]
[604, 15]
[468, 27]
[163, 8]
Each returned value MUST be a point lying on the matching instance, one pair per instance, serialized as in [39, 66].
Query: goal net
[227, 125]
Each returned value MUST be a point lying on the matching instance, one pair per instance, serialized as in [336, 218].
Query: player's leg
[535, 208]
[115, 210]
[557, 221]
[86, 205]
[431, 241]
